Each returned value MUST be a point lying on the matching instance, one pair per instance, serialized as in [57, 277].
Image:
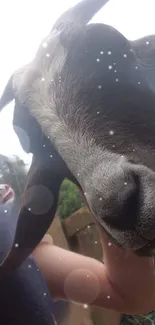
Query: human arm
[125, 283]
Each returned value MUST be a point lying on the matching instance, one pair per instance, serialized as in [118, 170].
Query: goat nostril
[121, 211]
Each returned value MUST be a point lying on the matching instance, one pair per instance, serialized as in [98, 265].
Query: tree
[70, 199]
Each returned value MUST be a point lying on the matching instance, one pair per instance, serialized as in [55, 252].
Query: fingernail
[47, 239]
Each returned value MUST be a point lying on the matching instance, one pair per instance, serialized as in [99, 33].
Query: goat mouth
[146, 251]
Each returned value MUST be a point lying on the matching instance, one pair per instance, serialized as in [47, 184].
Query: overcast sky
[24, 23]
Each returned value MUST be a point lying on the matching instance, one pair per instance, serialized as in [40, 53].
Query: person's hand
[125, 282]
[47, 239]
[132, 276]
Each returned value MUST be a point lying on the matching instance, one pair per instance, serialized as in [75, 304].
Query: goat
[88, 109]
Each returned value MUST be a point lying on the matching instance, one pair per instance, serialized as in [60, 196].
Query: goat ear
[8, 94]
[81, 13]
[144, 49]
[33, 223]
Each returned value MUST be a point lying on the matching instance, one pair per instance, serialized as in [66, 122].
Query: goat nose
[120, 203]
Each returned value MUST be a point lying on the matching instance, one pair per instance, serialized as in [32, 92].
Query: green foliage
[139, 320]
[70, 199]
[13, 172]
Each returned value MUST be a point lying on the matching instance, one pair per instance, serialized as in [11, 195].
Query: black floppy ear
[144, 49]
[81, 13]
[38, 210]
[8, 94]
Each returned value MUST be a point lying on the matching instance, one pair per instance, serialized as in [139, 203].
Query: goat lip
[145, 251]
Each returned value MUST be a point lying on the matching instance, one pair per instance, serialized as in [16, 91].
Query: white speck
[51, 80]
[100, 198]
[122, 156]
[88, 226]
[133, 149]
[48, 55]
[111, 132]
[139, 82]
[114, 63]
[85, 306]
[48, 137]
[113, 146]
[37, 270]
[45, 294]
[95, 242]
[98, 112]
[117, 80]
[125, 55]
[147, 42]
[29, 209]
[109, 52]
[108, 297]
[78, 174]
[51, 156]
[98, 60]
[88, 276]
[77, 229]
[136, 67]
[125, 183]
[101, 52]
[99, 87]
[5, 211]
[42, 79]
[44, 44]
[115, 71]
[29, 266]
[85, 193]
[16, 245]
[131, 50]
[44, 145]
[109, 244]
[110, 67]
